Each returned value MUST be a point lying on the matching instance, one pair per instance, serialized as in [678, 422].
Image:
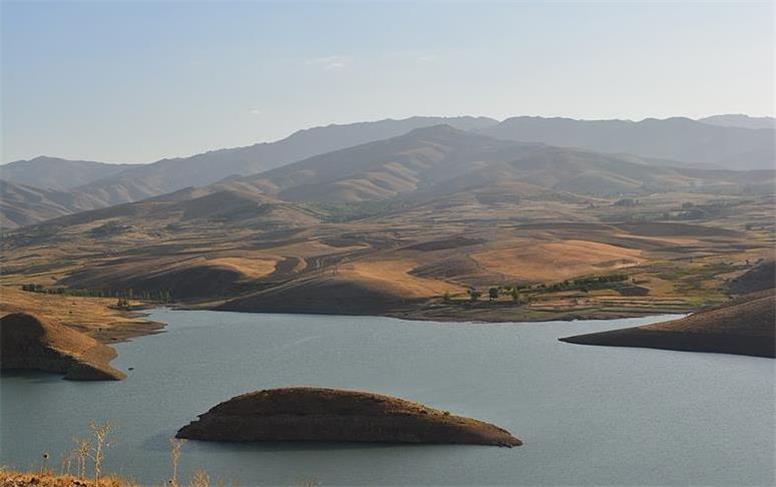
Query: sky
[140, 81]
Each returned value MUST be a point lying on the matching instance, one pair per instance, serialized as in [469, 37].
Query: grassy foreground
[10, 478]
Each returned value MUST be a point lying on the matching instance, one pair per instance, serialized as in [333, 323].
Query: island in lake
[32, 343]
[318, 414]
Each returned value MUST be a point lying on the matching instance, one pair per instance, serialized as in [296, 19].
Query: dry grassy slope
[11, 478]
[229, 241]
[759, 278]
[92, 316]
[237, 206]
[22, 205]
[34, 343]
[374, 265]
[744, 326]
[532, 261]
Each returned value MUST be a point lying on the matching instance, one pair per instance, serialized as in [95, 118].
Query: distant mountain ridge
[417, 167]
[440, 160]
[679, 139]
[741, 121]
[47, 187]
[22, 205]
[53, 173]
[170, 175]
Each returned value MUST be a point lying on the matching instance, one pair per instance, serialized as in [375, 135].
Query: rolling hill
[743, 326]
[22, 205]
[650, 142]
[440, 160]
[170, 175]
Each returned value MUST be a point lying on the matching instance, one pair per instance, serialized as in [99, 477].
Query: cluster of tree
[493, 294]
[585, 283]
[158, 295]
[34, 288]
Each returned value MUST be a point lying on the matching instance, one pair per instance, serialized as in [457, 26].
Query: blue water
[587, 415]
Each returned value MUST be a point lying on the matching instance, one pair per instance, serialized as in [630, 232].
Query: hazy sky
[135, 82]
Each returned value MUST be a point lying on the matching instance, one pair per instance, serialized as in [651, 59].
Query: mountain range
[416, 157]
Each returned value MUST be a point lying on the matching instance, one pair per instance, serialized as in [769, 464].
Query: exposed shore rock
[744, 326]
[31, 343]
[315, 414]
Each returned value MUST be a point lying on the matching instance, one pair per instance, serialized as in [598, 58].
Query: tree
[447, 297]
[493, 293]
[474, 295]
[515, 294]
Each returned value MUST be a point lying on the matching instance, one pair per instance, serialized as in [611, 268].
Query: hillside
[679, 139]
[743, 326]
[439, 160]
[53, 173]
[22, 205]
[395, 226]
[170, 175]
[758, 278]
[671, 143]
[33, 343]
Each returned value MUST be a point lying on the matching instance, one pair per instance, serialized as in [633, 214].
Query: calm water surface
[587, 415]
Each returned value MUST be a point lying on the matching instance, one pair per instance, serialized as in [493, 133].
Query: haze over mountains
[23, 205]
[59, 174]
[381, 160]
[440, 160]
[680, 139]
[740, 120]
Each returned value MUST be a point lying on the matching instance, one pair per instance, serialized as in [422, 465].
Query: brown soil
[33, 343]
[744, 326]
[314, 414]
[96, 317]
[532, 262]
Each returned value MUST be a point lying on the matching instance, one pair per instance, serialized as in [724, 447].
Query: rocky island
[743, 326]
[317, 414]
[28, 342]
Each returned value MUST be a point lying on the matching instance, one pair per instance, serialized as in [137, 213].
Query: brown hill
[437, 161]
[166, 175]
[192, 206]
[758, 278]
[743, 326]
[22, 205]
[32, 343]
[314, 414]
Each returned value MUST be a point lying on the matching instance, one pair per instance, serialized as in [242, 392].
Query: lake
[588, 415]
